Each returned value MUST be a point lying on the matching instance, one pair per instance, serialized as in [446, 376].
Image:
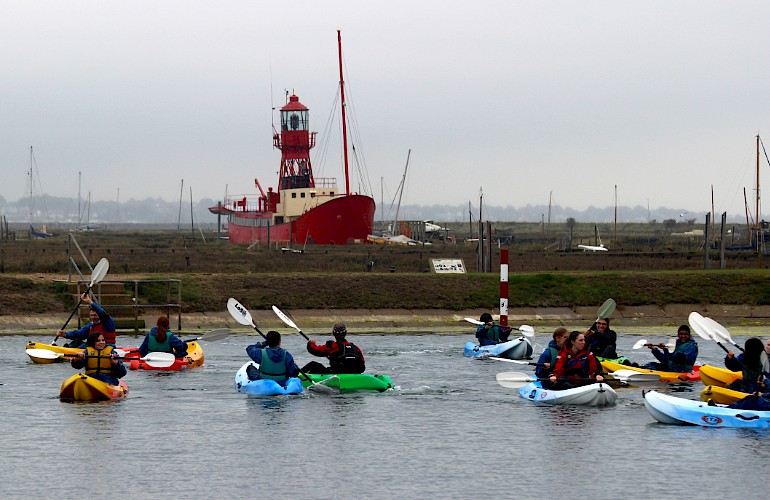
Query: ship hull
[341, 221]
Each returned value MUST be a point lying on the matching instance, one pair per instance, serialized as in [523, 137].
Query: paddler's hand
[552, 378]
[730, 354]
[61, 333]
[86, 297]
[114, 358]
[546, 365]
[80, 355]
[599, 378]
[663, 346]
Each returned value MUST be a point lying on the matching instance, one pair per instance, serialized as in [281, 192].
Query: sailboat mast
[31, 195]
[344, 121]
[756, 211]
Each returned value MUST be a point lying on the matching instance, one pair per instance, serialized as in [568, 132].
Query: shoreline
[432, 320]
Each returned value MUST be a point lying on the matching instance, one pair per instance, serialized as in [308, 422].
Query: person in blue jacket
[275, 362]
[754, 365]
[547, 359]
[100, 360]
[681, 360]
[100, 322]
[160, 339]
[489, 333]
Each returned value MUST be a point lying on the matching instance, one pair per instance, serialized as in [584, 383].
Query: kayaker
[575, 365]
[681, 360]
[489, 333]
[344, 356]
[602, 340]
[275, 362]
[100, 322]
[100, 360]
[754, 365]
[160, 339]
[548, 357]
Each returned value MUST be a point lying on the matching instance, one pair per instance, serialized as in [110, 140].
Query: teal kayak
[352, 382]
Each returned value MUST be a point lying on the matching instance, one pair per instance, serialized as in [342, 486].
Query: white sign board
[448, 266]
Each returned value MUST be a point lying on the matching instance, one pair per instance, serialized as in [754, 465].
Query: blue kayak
[679, 411]
[265, 387]
[518, 348]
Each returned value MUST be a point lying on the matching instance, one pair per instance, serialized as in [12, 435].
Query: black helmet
[486, 318]
[339, 330]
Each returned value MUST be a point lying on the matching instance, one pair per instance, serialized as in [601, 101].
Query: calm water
[449, 432]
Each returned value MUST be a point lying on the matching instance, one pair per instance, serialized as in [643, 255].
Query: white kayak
[599, 394]
[679, 411]
[518, 348]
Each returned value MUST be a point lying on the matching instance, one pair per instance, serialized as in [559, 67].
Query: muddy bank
[430, 320]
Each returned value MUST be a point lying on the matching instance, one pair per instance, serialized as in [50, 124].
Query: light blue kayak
[264, 387]
[679, 411]
[518, 348]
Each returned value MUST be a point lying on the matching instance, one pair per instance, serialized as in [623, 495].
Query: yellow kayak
[692, 376]
[81, 387]
[721, 377]
[53, 348]
[721, 395]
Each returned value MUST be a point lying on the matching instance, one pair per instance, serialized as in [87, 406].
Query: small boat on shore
[82, 388]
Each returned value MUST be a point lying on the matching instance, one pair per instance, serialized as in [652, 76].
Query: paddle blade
[606, 310]
[513, 380]
[639, 344]
[517, 361]
[720, 330]
[217, 334]
[159, 359]
[100, 271]
[322, 387]
[239, 313]
[699, 325]
[474, 321]
[527, 331]
[43, 353]
[285, 318]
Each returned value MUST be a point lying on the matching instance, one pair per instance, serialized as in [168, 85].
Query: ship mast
[344, 121]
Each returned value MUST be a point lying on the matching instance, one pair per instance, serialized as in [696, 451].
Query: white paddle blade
[606, 310]
[239, 313]
[527, 331]
[322, 387]
[44, 354]
[285, 318]
[217, 334]
[700, 325]
[640, 343]
[513, 380]
[159, 359]
[474, 321]
[632, 377]
[100, 271]
[720, 330]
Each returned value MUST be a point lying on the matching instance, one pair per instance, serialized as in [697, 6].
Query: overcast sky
[521, 99]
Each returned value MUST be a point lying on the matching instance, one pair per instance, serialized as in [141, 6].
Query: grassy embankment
[336, 277]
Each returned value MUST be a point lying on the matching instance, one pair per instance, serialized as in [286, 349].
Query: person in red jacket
[575, 364]
[344, 356]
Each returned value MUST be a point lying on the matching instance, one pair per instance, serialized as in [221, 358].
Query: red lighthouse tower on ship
[303, 209]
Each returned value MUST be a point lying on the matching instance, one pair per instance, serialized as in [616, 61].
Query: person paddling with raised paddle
[100, 322]
[490, 333]
[100, 360]
[275, 362]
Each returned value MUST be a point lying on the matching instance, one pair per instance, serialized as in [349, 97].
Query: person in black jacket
[602, 340]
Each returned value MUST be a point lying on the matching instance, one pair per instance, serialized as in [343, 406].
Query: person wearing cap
[274, 362]
[602, 340]
[489, 333]
[344, 356]
[682, 359]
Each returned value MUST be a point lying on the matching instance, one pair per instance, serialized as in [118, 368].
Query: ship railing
[326, 182]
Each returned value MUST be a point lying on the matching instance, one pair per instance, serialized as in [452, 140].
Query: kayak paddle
[97, 275]
[671, 345]
[517, 380]
[704, 328]
[156, 359]
[606, 310]
[288, 321]
[217, 334]
[525, 330]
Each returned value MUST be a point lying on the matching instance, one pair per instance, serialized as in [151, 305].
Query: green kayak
[352, 382]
